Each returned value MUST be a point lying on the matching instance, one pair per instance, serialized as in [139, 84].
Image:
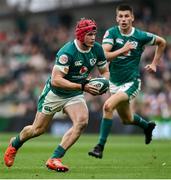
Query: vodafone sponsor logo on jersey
[83, 70]
[63, 59]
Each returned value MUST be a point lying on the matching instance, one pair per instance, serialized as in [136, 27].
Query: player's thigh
[130, 88]
[78, 111]
[49, 103]
[112, 102]
[124, 111]
[42, 121]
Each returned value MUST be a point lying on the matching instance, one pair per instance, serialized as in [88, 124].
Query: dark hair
[124, 7]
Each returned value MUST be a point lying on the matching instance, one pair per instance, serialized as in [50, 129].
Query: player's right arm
[110, 55]
[108, 43]
[58, 80]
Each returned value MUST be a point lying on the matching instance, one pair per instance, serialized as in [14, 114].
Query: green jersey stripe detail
[42, 97]
[110, 41]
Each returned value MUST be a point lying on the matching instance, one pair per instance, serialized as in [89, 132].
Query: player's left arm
[160, 46]
[104, 71]
[102, 64]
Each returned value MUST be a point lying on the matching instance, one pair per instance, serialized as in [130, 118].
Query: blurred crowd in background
[27, 55]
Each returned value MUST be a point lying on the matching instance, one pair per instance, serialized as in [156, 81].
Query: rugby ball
[102, 84]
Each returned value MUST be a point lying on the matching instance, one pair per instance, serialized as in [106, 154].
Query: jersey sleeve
[62, 62]
[108, 37]
[148, 38]
[102, 62]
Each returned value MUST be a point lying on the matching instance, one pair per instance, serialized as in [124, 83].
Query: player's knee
[127, 120]
[108, 107]
[82, 123]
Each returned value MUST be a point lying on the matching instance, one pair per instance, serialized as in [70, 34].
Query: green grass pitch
[125, 157]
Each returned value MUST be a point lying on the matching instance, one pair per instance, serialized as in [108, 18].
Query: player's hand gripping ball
[102, 84]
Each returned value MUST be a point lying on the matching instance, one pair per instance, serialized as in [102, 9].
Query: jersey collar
[82, 51]
[130, 34]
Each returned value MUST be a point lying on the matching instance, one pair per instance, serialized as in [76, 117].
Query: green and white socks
[59, 152]
[105, 128]
[139, 121]
[106, 125]
[17, 143]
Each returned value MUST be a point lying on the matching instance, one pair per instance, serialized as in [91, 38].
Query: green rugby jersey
[80, 63]
[125, 68]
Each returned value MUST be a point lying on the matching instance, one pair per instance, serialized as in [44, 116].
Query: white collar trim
[82, 51]
[130, 34]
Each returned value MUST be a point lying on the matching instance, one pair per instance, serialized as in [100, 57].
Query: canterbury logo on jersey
[78, 63]
[120, 41]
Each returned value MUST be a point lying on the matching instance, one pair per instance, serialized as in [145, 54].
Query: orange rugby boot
[56, 164]
[10, 154]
